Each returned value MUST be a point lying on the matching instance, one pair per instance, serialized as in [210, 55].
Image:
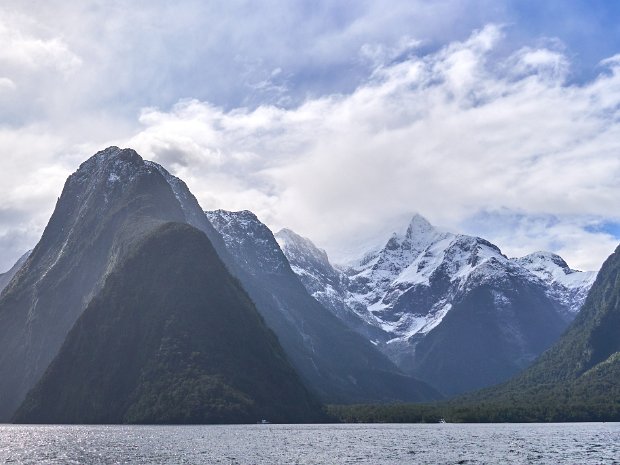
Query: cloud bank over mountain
[362, 117]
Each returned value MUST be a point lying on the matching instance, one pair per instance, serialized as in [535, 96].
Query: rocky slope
[448, 308]
[336, 362]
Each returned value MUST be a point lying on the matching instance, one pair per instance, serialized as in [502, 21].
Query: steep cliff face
[108, 206]
[110, 202]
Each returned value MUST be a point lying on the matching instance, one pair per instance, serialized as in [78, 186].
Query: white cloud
[350, 116]
[577, 238]
[6, 85]
[23, 50]
[447, 134]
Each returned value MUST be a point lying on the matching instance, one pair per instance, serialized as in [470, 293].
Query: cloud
[6, 85]
[583, 241]
[23, 50]
[33, 65]
[335, 118]
[448, 134]
[132, 54]
[35, 161]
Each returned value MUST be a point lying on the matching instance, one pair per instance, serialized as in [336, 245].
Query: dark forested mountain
[336, 362]
[447, 308]
[170, 338]
[576, 379]
[5, 278]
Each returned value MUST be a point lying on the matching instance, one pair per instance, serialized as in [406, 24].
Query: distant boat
[265, 422]
[441, 420]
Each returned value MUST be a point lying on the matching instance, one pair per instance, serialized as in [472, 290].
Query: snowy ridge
[552, 268]
[565, 284]
[310, 262]
[422, 255]
[407, 287]
[320, 278]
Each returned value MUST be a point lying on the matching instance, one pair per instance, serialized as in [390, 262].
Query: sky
[337, 119]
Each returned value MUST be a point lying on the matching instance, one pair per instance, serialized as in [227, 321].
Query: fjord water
[582, 443]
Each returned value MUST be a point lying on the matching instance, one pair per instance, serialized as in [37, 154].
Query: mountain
[106, 210]
[170, 338]
[578, 378]
[447, 308]
[335, 362]
[109, 203]
[568, 286]
[5, 278]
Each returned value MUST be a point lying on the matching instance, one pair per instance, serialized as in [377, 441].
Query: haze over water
[576, 443]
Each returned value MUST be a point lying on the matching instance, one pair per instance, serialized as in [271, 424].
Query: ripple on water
[314, 444]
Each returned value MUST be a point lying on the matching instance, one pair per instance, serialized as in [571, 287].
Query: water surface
[567, 443]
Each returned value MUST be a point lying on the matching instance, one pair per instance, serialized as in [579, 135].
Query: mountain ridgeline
[106, 211]
[577, 379]
[449, 309]
[5, 278]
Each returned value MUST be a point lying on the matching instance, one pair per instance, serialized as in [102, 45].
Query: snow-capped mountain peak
[565, 284]
[405, 290]
[552, 268]
[298, 248]
[419, 227]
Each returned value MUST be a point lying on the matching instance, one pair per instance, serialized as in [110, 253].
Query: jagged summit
[552, 268]
[307, 260]
[419, 226]
[111, 156]
[292, 235]
[245, 217]
[108, 171]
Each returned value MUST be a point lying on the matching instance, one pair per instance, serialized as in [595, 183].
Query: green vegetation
[551, 407]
